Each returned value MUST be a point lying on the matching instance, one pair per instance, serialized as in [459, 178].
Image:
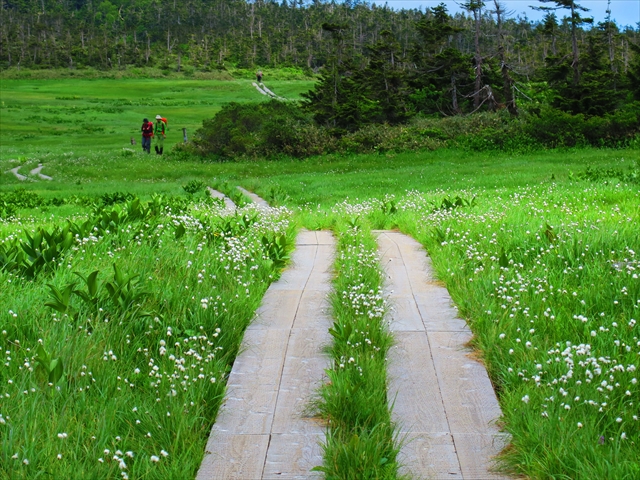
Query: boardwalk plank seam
[282, 442]
[467, 408]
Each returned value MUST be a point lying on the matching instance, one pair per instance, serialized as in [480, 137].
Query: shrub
[260, 130]
[272, 129]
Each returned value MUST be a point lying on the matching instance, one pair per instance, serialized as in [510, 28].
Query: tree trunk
[507, 81]
[478, 58]
[454, 96]
[574, 46]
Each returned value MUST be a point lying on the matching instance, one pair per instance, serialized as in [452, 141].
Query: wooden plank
[399, 238]
[403, 314]
[469, 399]
[325, 237]
[306, 237]
[442, 393]
[476, 452]
[247, 410]
[254, 198]
[430, 456]
[314, 310]
[292, 280]
[414, 392]
[303, 257]
[302, 375]
[261, 362]
[277, 310]
[297, 275]
[233, 457]
[437, 318]
[293, 457]
[228, 203]
[278, 370]
[396, 278]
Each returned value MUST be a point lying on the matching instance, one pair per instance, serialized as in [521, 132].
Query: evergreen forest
[374, 65]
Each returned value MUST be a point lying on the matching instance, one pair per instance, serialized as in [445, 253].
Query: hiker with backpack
[159, 133]
[147, 133]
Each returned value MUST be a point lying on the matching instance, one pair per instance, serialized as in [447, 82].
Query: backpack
[165, 123]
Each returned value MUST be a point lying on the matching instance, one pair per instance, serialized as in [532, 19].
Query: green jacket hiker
[159, 133]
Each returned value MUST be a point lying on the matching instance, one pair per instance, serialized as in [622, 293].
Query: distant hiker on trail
[259, 76]
[147, 133]
[159, 133]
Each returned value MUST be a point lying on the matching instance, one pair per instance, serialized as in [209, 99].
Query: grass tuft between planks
[361, 441]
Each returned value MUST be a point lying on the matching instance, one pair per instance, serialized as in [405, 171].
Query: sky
[623, 12]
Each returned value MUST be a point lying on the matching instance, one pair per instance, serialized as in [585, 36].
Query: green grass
[548, 279]
[142, 351]
[360, 441]
[45, 117]
[533, 225]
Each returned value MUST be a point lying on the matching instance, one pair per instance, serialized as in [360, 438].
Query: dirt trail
[444, 402]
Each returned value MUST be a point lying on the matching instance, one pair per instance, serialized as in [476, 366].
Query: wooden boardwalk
[254, 198]
[228, 203]
[444, 402]
[261, 431]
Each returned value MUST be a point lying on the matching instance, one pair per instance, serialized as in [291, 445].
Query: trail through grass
[541, 262]
[116, 346]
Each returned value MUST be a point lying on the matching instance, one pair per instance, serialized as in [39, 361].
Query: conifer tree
[385, 81]
[439, 67]
[575, 21]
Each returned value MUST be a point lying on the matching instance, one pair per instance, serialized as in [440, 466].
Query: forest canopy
[375, 65]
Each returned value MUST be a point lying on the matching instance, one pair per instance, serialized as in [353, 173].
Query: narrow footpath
[262, 431]
[228, 203]
[443, 400]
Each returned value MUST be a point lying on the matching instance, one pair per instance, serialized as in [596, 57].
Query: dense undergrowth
[118, 329]
[273, 129]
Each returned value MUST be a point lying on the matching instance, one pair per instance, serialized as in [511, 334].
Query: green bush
[554, 128]
[259, 130]
[273, 128]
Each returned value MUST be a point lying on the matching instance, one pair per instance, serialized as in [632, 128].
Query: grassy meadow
[109, 374]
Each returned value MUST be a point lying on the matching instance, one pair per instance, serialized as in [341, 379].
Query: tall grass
[548, 279]
[360, 441]
[120, 373]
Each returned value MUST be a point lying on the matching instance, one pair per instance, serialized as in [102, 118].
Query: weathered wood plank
[278, 310]
[414, 392]
[228, 203]
[314, 310]
[404, 314]
[438, 314]
[280, 366]
[261, 359]
[431, 456]
[234, 457]
[247, 410]
[293, 457]
[325, 237]
[298, 273]
[440, 389]
[396, 278]
[302, 375]
[476, 452]
[467, 392]
[306, 237]
[254, 198]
